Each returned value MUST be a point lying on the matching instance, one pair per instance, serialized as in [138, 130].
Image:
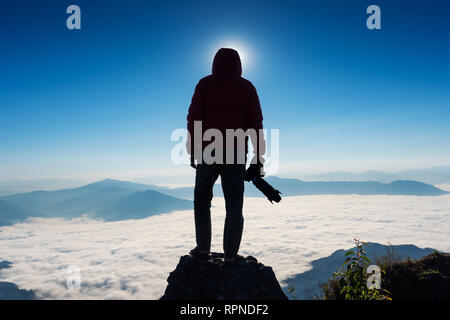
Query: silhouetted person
[223, 100]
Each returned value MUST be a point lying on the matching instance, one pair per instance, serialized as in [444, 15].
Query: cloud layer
[132, 259]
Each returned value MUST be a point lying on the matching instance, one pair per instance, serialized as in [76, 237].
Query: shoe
[200, 255]
[237, 258]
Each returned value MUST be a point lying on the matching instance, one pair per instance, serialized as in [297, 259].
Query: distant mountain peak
[116, 183]
[108, 181]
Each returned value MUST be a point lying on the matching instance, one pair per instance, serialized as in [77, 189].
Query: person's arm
[255, 121]
[195, 113]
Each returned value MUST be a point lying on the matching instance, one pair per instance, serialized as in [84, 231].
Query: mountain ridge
[102, 199]
[114, 200]
[433, 175]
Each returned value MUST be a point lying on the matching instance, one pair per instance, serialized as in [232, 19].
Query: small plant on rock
[350, 282]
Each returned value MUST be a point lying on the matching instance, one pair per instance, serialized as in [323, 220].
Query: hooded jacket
[224, 100]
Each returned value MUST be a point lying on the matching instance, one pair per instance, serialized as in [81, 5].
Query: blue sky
[103, 101]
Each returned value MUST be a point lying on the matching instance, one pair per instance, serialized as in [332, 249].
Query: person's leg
[205, 177]
[232, 176]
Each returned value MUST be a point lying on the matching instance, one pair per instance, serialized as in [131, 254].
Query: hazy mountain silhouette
[400, 187]
[96, 200]
[435, 175]
[8, 187]
[107, 199]
[307, 284]
[11, 213]
[295, 187]
[143, 204]
[46, 201]
[119, 200]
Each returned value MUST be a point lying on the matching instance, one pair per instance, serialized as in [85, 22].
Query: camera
[253, 174]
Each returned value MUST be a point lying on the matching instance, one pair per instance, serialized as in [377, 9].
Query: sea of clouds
[132, 259]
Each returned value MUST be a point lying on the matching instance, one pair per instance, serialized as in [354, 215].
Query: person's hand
[256, 170]
[193, 164]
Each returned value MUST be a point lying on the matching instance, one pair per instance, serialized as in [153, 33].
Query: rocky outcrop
[212, 279]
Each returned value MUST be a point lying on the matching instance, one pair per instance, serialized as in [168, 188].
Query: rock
[212, 279]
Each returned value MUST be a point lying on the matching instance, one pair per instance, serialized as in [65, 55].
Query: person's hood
[227, 62]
